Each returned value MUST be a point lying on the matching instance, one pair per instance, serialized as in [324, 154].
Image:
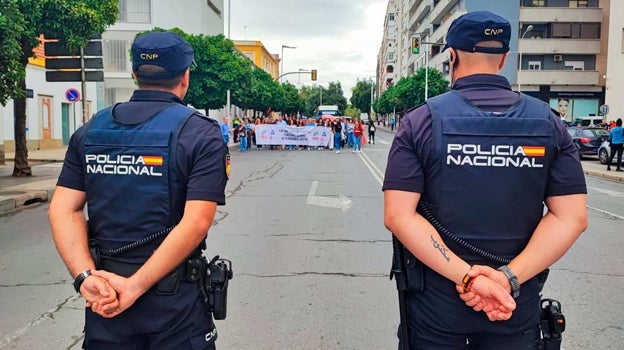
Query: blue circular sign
[72, 95]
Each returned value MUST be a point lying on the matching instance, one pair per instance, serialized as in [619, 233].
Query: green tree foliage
[352, 112]
[293, 103]
[409, 91]
[12, 29]
[21, 22]
[361, 95]
[219, 68]
[335, 96]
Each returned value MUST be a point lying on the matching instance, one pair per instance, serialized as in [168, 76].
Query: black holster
[213, 278]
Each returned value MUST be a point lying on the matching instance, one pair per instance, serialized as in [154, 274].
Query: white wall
[35, 80]
[615, 62]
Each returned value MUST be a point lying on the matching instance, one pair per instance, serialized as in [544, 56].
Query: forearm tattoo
[441, 248]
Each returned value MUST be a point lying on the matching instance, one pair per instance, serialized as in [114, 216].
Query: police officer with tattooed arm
[467, 176]
[151, 172]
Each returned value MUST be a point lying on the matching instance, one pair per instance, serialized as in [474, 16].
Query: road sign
[72, 95]
[57, 48]
[604, 109]
[56, 75]
[73, 63]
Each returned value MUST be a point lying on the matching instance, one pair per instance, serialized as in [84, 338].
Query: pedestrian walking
[616, 144]
[371, 131]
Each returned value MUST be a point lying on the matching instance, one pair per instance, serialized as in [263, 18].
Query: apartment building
[558, 47]
[260, 56]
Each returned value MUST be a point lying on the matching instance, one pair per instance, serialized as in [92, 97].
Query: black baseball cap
[469, 29]
[164, 49]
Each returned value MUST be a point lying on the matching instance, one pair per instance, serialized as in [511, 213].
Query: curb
[16, 200]
[604, 176]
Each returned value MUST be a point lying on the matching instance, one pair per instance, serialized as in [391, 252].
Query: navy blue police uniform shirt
[200, 156]
[409, 156]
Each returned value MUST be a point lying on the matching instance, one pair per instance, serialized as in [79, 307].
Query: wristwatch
[80, 278]
[513, 280]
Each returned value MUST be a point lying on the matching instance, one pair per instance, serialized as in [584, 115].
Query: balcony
[560, 46]
[440, 34]
[559, 14]
[558, 77]
[420, 13]
[440, 10]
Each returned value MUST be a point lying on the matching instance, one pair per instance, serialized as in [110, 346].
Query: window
[575, 65]
[115, 55]
[391, 56]
[391, 17]
[575, 30]
[134, 11]
[535, 65]
[577, 3]
[534, 3]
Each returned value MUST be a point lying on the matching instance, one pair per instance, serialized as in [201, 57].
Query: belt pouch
[414, 272]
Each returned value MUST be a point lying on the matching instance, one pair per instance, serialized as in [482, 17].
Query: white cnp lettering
[148, 56]
[490, 31]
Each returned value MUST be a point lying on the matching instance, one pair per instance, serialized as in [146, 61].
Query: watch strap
[80, 278]
[513, 280]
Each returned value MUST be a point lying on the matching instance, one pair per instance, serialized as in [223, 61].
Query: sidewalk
[46, 166]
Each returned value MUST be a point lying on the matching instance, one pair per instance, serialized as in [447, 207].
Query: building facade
[51, 118]
[614, 79]
[258, 54]
[558, 47]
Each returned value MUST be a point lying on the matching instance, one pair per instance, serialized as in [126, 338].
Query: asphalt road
[304, 231]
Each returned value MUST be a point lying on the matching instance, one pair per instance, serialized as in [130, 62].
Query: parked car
[590, 121]
[604, 152]
[587, 140]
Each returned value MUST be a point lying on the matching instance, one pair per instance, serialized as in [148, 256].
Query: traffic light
[415, 45]
[313, 74]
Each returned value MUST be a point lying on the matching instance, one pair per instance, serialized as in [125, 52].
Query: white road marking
[343, 202]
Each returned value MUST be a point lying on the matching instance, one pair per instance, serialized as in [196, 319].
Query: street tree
[409, 91]
[219, 68]
[63, 19]
[361, 95]
[293, 103]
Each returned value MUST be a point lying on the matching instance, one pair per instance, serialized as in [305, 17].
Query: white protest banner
[271, 134]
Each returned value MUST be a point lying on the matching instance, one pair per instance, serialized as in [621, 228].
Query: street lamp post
[370, 116]
[529, 28]
[282, 59]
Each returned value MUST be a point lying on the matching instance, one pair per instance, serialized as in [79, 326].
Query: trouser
[337, 140]
[371, 137]
[350, 139]
[439, 319]
[226, 138]
[357, 143]
[167, 316]
[616, 148]
[177, 321]
[243, 143]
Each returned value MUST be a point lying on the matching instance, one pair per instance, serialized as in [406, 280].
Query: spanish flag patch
[534, 151]
[153, 160]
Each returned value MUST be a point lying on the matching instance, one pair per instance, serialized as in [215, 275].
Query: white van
[587, 121]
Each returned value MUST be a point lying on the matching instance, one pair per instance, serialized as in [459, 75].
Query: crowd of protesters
[345, 132]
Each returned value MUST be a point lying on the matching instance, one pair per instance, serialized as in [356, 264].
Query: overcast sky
[339, 38]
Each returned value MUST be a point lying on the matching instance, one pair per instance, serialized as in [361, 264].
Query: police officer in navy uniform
[152, 172]
[484, 160]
